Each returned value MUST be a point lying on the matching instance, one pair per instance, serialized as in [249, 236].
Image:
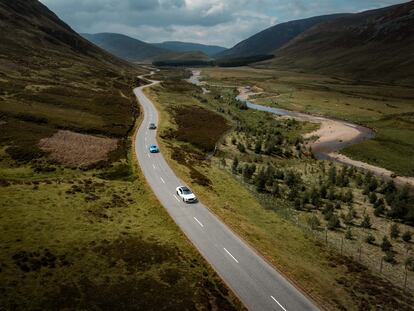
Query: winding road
[257, 284]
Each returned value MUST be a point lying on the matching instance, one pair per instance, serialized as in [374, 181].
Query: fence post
[405, 277]
[382, 258]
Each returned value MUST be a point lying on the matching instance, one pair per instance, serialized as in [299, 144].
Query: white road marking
[162, 180]
[176, 198]
[145, 138]
[278, 303]
[198, 222]
[153, 166]
[148, 155]
[231, 255]
[146, 146]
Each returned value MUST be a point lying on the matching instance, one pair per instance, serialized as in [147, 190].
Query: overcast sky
[221, 22]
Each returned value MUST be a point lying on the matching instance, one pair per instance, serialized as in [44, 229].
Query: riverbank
[332, 136]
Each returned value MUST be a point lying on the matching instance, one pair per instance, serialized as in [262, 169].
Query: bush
[409, 263]
[394, 231]
[24, 154]
[241, 147]
[379, 210]
[235, 165]
[370, 239]
[366, 222]
[390, 257]
[348, 234]
[313, 222]
[386, 244]
[333, 222]
[407, 236]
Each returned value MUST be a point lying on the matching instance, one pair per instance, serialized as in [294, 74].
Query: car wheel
[183, 200]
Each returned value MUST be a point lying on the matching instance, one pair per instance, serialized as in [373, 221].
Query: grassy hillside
[375, 45]
[80, 229]
[125, 47]
[271, 39]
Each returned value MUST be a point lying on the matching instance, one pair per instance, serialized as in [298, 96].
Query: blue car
[154, 149]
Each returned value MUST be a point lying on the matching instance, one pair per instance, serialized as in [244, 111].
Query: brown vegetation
[74, 149]
[198, 126]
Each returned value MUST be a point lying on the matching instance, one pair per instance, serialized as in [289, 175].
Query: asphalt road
[258, 285]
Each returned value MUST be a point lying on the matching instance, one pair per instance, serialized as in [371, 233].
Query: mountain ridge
[272, 38]
[376, 44]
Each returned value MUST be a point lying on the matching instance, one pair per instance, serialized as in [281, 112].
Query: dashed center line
[278, 303]
[148, 155]
[153, 166]
[176, 198]
[231, 255]
[198, 222]
[163, 181]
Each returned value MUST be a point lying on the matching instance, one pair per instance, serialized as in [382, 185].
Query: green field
[387, 109]
[335, 282]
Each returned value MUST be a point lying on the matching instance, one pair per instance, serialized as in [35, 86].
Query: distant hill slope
[125, 47]
[51, 78]
[178, 46]
[270, 39]
[373, 45]
[135, 50]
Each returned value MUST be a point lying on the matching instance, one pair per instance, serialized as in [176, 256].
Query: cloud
[222, 22]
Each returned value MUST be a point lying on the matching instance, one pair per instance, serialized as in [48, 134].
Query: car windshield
[186, 191]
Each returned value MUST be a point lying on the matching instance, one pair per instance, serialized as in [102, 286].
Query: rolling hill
[270, 39]
[372, 45]
[52, 78]
[127, 48]
[178, 46]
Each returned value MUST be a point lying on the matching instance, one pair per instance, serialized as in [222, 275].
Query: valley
[242, 186]
[237, 156]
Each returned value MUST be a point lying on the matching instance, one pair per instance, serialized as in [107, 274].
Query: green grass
[380, 106]
[392, 148]
[73, 240]
[335, 282]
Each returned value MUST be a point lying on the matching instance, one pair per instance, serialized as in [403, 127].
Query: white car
[186, 194]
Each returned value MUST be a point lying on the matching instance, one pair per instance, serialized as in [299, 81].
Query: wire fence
[397, 274]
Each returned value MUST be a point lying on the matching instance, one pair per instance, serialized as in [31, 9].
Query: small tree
[372, 197]
[409, 263]
[379, 210]
[348, 234]
[235, 165]
[386, 244]
[313, 222]
[366, 222]
[394, 231]
[348, 218]
[333, 222]
[390, 257]
[241, 147]
[349, 196]
[370, 239]
[258, 146]
[407, 236]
